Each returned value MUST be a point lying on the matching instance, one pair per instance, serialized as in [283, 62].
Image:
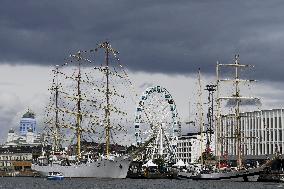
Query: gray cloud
[244, 102]
[10, 105]
[145, 85]
[154, 36]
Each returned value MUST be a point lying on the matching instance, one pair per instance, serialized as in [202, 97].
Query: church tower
[27, 123]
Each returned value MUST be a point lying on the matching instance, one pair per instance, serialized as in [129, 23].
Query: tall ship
[83, 107]
[238, 138]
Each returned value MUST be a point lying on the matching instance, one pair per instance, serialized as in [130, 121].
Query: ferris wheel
[157, 122]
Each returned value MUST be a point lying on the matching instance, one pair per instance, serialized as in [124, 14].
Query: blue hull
[55, 178]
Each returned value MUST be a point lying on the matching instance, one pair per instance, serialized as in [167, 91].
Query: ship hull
[245, 174]
[55, 178]
[104, 168]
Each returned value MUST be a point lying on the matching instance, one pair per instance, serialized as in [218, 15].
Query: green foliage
[208, 156]
[160, 162]
[131, 149]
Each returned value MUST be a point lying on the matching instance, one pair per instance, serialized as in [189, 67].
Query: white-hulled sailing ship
[80, 114]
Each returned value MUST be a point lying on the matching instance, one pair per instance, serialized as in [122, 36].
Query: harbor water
[92, 183]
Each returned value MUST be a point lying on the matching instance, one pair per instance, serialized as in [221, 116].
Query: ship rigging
[236, 98]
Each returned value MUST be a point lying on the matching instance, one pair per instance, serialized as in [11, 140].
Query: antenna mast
[211, 89]
[210, 115]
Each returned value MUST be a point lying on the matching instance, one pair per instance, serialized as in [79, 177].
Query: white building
[189, 147]
[262, 134]
[30, 139]
[27, 136]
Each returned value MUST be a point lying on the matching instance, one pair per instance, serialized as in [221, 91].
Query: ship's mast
[54, 124]
[79, 115]
[218, 136]
[108, 108]
[79, 78]
[107, 111]
[237, 98]
[200, 115]
[56, 134]
[237, 113]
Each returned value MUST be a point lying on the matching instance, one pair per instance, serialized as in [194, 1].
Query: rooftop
[29, 114]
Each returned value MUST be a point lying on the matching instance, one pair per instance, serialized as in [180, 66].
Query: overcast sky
[164, 41]
[161, 36]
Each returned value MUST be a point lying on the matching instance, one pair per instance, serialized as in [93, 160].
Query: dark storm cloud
[157, 36]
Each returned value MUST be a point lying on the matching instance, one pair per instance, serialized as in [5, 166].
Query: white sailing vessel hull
[116, 168]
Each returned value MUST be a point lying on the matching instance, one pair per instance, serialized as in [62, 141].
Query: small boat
[55, 176]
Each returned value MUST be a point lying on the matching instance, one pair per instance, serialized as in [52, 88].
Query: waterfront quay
[92, 183]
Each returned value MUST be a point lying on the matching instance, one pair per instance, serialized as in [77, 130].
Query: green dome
[29, 114]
